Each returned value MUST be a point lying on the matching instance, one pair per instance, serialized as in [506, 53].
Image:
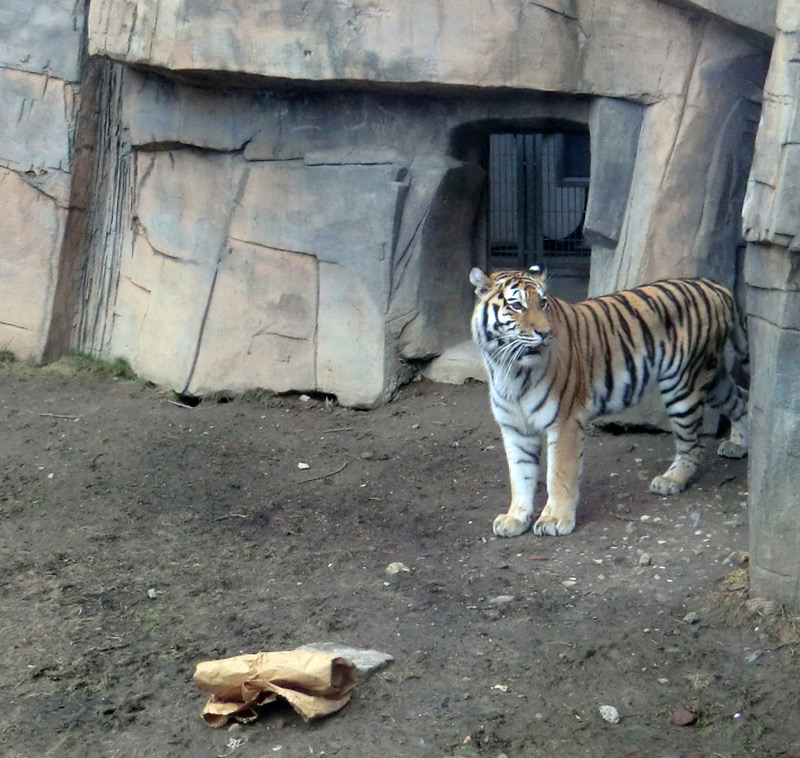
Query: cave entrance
[538, 187]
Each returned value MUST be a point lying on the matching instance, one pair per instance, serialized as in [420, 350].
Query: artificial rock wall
[41, 47]
[290, 195]
[296, 241]
[319, 238]
[772, 272]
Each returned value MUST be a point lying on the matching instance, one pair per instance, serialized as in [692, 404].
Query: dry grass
[768, 616]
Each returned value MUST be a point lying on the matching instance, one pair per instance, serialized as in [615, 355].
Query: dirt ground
[138, 537]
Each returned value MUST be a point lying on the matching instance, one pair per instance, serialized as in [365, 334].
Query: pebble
[645, 559]
[683, 717]
[738, 558]
[397, 568]
[609, 714]
[692, 617]
[502, 600]
[754, 656]
[303, 466]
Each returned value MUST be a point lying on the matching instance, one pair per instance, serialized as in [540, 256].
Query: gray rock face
[551, 45]
[772, 272]
[244, 256]
[221, 230]
[614, 127]
[42, 38]
[690, 174]
[758, 16]
[40, 54]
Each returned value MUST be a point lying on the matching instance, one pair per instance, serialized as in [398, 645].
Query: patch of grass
[118, 368]
[7, 356]
[80, 363]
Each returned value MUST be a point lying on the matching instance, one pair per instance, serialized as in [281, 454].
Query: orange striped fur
[554, 366]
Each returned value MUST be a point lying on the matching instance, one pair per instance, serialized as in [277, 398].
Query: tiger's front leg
[522, 454]
[564, 462]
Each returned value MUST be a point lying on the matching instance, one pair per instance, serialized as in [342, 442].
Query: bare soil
[138, 537]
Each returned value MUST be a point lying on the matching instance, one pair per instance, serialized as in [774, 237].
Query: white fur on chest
[531, 410]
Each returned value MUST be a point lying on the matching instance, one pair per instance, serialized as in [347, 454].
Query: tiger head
[512, 321]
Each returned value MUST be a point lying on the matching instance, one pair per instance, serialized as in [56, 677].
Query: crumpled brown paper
[314, 684]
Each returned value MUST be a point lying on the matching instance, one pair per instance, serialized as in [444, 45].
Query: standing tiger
[553, 366]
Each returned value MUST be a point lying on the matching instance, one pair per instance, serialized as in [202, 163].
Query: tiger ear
[537, 272]
[480, 281]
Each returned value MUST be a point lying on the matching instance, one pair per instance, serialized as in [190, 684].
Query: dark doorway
[538, 185]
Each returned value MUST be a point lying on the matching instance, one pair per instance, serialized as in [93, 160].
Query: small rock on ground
[397, 568]
[683, 717]
[367, 662]
[609, 714]
[501, 600]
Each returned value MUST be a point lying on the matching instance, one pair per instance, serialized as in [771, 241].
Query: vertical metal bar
[522, 198]
[537, 202]
[490, 201]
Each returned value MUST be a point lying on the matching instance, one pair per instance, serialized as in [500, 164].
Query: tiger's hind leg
[731, 400]
[685, 412]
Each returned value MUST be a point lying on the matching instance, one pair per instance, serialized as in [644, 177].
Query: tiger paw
[729, 449]
[506, 525]
[663, 485]
[553, 526]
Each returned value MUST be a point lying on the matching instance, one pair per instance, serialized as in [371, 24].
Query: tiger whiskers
[507, 355]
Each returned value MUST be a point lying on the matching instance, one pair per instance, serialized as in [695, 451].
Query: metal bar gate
[538, 185]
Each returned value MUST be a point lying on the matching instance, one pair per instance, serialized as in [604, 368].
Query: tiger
[553, 366]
